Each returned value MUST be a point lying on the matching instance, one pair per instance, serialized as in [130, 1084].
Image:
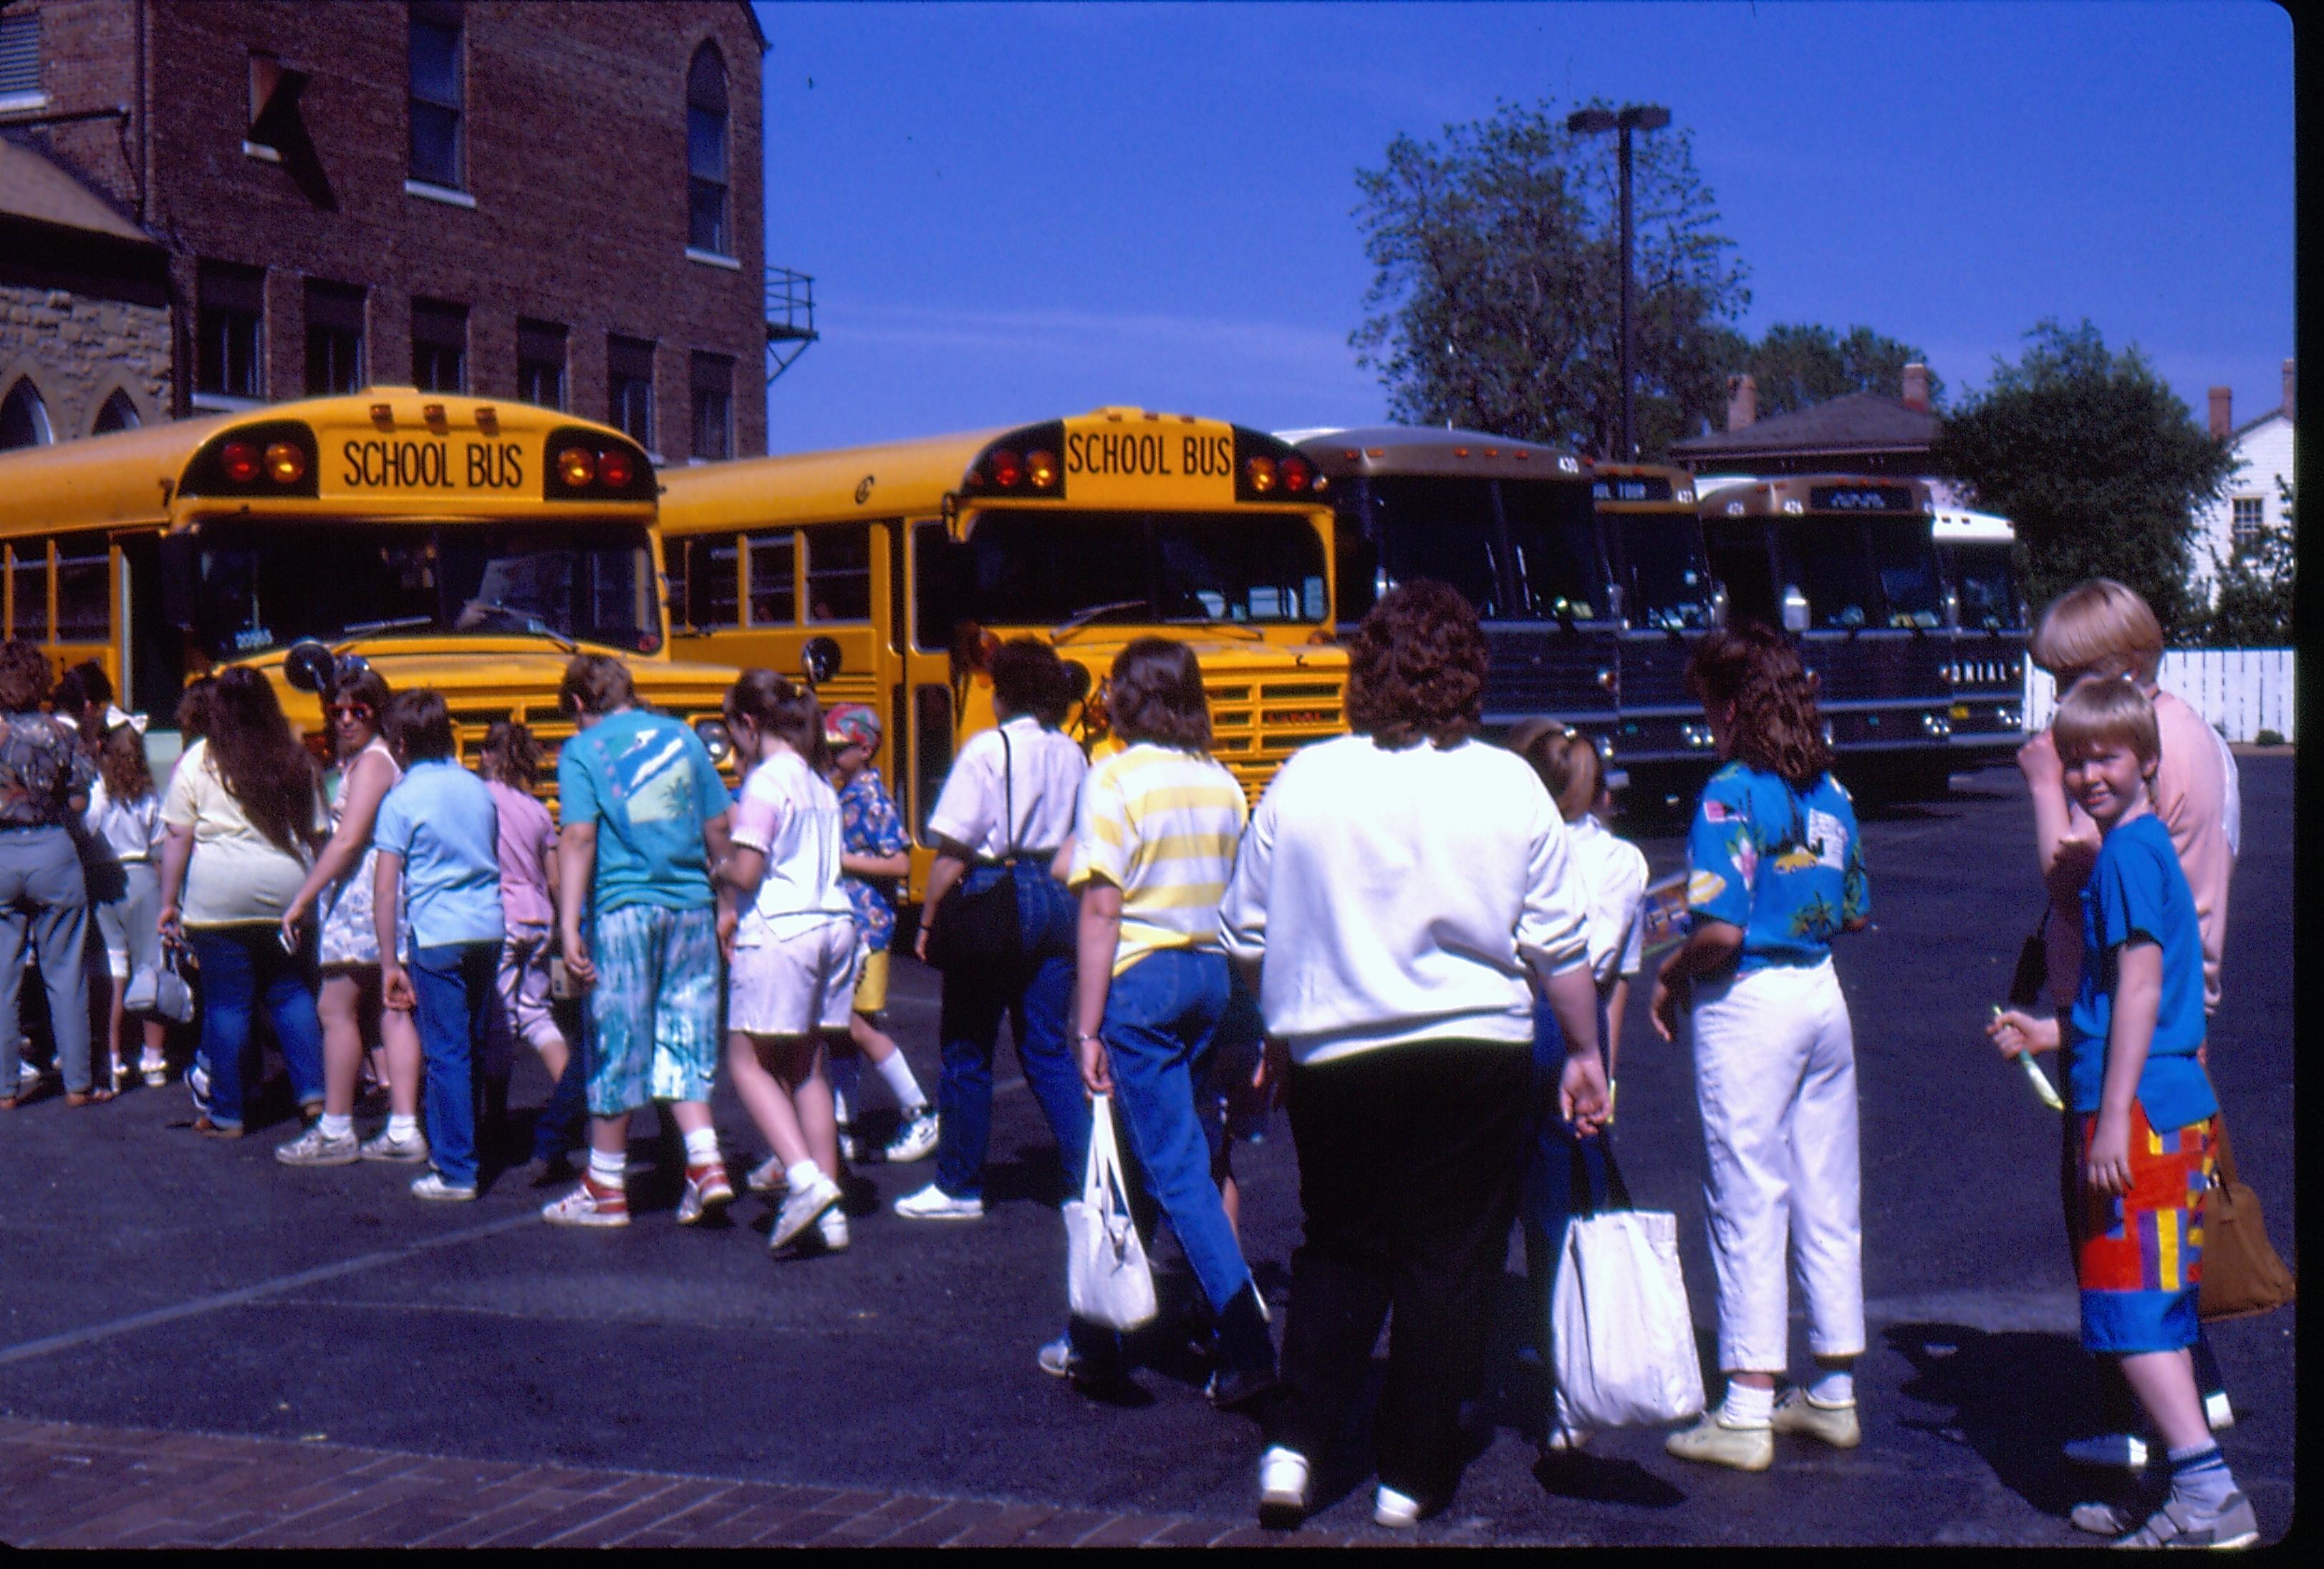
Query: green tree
[1798, 365]
[2253, 609]
[1495, 301]
[2095, 460]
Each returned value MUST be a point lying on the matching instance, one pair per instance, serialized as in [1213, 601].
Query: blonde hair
[2106, 711]
[2100, 628]
[1570, 767]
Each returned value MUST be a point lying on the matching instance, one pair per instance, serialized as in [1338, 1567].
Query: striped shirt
[1160, 825]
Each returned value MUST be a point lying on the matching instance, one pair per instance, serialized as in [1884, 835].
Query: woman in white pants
[1775, 869]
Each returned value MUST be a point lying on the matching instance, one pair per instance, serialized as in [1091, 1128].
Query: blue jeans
[1162, 1017]
[458, 986]
[1035, 993]
[1563, 1170]
[244, 968]
[562, 1126]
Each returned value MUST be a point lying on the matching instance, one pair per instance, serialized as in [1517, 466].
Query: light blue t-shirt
[2138, 889]
[649, 785]
[440, 819]
[1786, 866]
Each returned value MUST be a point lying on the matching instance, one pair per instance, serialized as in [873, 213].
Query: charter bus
[1986, 606]
[1654, 539]
[889, 575]
[471, 545]
[1848, 565]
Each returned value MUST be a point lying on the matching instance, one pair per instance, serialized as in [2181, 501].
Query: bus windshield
[1047, 568]
[1906, 563]
[1517, 549]
[1989, 588]
[265, 586]
[1825, 560]
[1669, 586]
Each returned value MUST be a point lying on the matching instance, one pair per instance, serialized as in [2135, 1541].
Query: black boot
[1246, 1364]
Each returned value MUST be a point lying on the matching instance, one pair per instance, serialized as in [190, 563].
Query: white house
[2251, 497]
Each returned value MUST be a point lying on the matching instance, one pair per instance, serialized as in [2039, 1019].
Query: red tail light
[1296, 474]
[239, 461]
[1006, 468]
[617, 469]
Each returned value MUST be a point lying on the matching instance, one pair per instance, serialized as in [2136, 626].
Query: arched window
[705, 152]
[24, 418]
[117, 414]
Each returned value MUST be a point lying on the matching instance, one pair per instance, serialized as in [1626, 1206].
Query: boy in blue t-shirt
[2144, 1103]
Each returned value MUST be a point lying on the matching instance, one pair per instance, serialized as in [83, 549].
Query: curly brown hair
[24, 677]
[121, 764]
[511, 755]
[1156, 694]
[1417, 668]
[1777, 728]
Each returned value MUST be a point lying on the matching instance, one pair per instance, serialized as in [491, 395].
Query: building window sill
[713, 259]
[23, 103]
[443, 193]
[225, 403]
[261, 152]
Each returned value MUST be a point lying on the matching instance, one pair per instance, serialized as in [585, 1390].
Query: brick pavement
[70, 1485]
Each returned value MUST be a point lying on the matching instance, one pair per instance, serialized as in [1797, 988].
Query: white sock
[338, 1127]
[609, 1171]
[803, 1175]
[1833, 1388]
[902, 1085]
[399, 1128]
[702, 1146]
[1746, 1407]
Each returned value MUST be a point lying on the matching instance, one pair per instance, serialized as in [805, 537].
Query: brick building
[209, 205]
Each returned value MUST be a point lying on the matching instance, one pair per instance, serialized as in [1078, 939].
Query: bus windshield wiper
[392, 623]
[1081, 618]
[1222, 624]
[527, 623]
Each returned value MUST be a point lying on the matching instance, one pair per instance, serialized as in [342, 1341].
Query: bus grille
[1257, 724]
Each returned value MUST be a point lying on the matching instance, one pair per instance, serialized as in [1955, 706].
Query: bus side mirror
[1614, 602]
[820, 660]
[182, 568]
[309, 666]
[1795, 608]
[1718, 605]
[1953, 607]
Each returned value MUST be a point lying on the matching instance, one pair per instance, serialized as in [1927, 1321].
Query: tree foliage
[1495, 302]
[2253, 609]
[2096, 461]
[1798, 365]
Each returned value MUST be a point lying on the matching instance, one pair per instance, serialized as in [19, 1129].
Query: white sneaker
[849, 1150]
[832, 1227]
[405, 1151]
[317, 1148]
[934, 1203]
[432, 1186]
[1282, 1482]
[916, 1139]
[27, 1076]
[802, 1207]
[1562, 1437]
[767, 1176]
[1394, 1510]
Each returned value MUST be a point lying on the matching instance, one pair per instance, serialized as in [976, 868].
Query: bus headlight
[716, 739]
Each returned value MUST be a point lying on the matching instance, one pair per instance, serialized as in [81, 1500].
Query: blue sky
[1014, 212]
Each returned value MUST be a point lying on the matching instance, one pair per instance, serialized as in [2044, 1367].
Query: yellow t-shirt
[238, 874]
[1162, 826]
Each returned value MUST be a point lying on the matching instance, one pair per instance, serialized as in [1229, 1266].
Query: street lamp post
[1630, 117]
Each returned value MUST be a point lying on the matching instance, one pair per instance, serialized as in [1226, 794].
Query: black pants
[1409, 1162]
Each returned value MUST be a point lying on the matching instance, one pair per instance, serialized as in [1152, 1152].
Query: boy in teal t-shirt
[2143, 1105]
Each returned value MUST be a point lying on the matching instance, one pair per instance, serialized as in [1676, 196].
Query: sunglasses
[338, 711]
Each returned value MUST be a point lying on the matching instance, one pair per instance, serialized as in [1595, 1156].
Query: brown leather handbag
[2242, 1273]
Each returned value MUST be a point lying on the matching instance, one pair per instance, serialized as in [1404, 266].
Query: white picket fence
[2241, 691]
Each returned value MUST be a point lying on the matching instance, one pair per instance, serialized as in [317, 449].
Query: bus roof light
[1261, 473]
[1349, 454]
[487, 419]
[577, 466]
[239, 461]
[381, 414]
[1375, 452]
[432, 412]
[1459, 452]
[615, 468]
[1041, 469]
[285, 464]
[1005, 468]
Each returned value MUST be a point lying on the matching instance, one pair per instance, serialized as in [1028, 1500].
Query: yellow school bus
[471, 545]
[891, 573]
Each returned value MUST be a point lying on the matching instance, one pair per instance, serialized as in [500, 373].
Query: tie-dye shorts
[2140, 1264]
[652, 1016]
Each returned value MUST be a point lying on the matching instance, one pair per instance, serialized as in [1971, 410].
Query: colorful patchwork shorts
[653, 1015]
[2141, 1260]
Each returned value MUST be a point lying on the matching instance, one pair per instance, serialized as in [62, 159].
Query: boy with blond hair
[2142, 1104]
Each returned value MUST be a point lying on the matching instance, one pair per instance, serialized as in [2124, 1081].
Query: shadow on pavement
[2015, 1396]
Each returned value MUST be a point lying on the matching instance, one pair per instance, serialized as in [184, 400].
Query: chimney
[1743, 398]
[2287, 389]
[1916, 387]
[2223, 422]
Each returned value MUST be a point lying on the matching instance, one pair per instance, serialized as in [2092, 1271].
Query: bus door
[1668, 602]
[927, 697]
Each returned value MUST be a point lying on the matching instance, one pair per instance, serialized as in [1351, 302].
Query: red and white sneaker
[707, 1188]
[589, 1205]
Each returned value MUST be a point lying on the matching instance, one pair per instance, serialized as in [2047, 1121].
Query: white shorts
[793, 982]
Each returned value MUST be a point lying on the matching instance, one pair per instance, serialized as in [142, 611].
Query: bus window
[1050, 567]
[712, 580]
[932, 745]
[1739, 558]
[28, 585]
[839, 573]
[84, 590]
[266, 586]
[937, 567]
[1553, 534]
[773, 589]
[1826, 560]
[1518, 551]
[1669, 588]
[1907, 566]
[1989, 588]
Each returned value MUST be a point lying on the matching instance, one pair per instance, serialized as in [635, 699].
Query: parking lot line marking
[26, 1351]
